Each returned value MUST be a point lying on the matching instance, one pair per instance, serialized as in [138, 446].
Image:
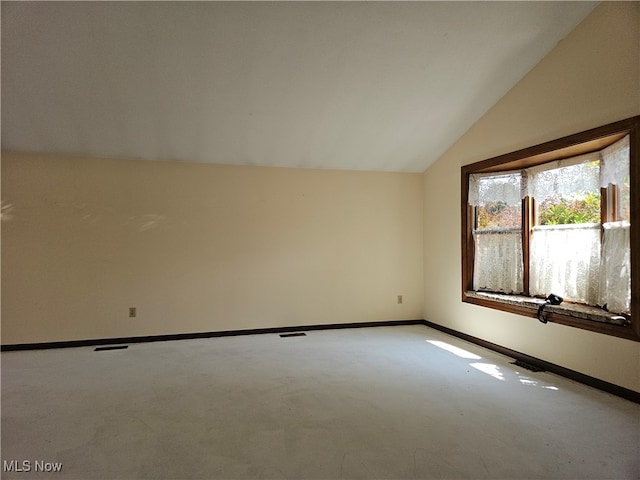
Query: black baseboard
[191, 336]
[536, 362]
[543, 365]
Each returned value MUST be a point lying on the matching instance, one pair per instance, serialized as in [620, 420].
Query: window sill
[584, 312]
[571, 314]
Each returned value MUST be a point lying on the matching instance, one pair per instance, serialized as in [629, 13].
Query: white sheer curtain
[498, 261]
[565, 260]
[615, 163]
[615, 281]
[495, 187]
[564, 177]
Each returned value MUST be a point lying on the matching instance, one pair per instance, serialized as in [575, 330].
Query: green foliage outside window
[558, 210]
[499, 215]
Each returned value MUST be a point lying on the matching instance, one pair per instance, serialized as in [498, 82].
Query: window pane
[563, 210]
[570, 195]
[499, 215]
[498, 262]
[499, 202]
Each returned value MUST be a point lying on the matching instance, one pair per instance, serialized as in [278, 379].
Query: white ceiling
[383, 86]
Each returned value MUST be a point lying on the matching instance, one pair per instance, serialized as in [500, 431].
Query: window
[557, 218]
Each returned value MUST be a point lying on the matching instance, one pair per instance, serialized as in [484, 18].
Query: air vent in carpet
[294, 334]
[526, 366]
[114, 347]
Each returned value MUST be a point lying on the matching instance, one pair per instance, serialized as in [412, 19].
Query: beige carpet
[387, 402]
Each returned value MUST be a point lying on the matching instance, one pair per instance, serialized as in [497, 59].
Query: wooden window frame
[566, 147]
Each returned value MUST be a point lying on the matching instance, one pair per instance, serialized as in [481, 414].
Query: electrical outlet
[132, 312]
[399, 299]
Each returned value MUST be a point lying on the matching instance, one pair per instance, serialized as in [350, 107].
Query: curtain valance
[566, 177]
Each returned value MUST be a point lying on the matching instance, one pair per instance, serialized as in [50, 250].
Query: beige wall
[591, 78]
[202, 248]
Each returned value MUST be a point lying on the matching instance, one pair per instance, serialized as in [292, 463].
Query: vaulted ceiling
[385, 86]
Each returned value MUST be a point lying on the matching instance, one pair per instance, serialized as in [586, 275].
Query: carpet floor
[368, 403]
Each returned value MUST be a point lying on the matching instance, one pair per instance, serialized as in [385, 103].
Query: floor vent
[294, 334]
[115, 347]
[526, 366]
